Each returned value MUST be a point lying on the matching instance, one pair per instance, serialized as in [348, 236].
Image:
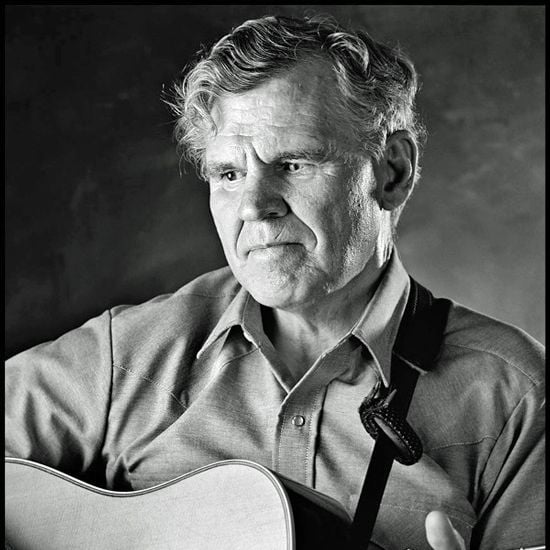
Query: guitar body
[233, 504]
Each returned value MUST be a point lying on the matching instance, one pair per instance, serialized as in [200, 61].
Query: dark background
[97, 213]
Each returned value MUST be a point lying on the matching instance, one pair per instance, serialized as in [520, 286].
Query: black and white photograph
[274, 277]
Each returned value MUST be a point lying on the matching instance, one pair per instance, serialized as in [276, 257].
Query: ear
[395, 171]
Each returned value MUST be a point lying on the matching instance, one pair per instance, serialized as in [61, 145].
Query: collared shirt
[146, 393]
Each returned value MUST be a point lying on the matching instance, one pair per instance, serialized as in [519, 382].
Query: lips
[261, 246]
[270, 236]
[270, 250]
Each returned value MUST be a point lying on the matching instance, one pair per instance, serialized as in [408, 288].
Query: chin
[285, 295]
[270, 295]
[282, 286]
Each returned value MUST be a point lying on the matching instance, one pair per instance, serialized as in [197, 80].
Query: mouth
[267, 245]
[271, 247]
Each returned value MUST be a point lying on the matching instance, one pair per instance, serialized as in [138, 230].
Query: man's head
[308, 137]
[377, 83]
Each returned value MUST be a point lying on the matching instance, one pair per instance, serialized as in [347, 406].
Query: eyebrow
[218, 167]
[319, 154]
[316, 154]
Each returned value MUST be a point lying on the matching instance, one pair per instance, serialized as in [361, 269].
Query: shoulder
[215, 287]
[218, 285]
[493, 348]
[488, 372]
[183, 318]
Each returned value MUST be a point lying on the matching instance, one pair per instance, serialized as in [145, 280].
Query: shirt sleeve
[512, 515]
[57, 399]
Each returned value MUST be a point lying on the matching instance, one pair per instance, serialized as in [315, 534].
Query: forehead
[295, 91]
[293, 108]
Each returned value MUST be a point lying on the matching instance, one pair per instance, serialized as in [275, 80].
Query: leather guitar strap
[416, 346]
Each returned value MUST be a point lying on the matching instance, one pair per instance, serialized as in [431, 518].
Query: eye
[230, 175]
[230, 180]
[292, 166]
[297, 167]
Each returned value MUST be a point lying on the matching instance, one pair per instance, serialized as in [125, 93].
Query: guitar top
[232, 504]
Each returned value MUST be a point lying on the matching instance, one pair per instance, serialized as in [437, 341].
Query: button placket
[297, 433]
[293, 438]
[299, 417]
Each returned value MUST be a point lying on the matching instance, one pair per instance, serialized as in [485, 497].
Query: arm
[512, 514]
[57, 399]
[512, 484]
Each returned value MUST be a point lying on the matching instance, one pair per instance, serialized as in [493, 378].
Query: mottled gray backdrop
[97, 213]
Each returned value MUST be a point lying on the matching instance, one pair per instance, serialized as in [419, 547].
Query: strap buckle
[377, 413]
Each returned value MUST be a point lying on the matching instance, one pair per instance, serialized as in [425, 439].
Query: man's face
[296, 220]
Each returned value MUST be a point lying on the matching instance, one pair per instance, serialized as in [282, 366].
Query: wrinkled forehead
[300, 104]
[302, 89]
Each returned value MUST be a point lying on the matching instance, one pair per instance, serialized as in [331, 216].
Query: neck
[301, 334]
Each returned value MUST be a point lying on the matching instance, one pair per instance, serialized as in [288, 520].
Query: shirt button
[298, 420]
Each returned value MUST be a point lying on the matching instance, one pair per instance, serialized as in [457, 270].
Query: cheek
[355, 224]
[364, 221]
[225, 220]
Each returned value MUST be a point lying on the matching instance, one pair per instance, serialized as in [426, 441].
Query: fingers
[441, 534]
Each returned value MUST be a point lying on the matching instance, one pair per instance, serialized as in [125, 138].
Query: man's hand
[441, 534]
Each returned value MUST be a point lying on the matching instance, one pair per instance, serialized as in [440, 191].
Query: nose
[260, 199]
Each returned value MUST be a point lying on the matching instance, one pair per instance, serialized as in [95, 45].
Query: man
[308, 138]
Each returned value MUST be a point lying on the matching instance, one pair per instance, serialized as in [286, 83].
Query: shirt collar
[378, 325]
[376, 329]
[243, 311]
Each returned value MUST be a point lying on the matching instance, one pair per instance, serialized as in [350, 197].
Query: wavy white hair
[377, 83]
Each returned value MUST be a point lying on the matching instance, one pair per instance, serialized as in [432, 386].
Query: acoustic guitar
[232, 505]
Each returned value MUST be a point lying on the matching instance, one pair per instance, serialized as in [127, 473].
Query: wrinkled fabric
[142, 394]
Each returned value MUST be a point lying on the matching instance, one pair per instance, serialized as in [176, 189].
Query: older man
[308, 138]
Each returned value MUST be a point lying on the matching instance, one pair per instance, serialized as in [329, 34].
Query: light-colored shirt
[143, 394]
